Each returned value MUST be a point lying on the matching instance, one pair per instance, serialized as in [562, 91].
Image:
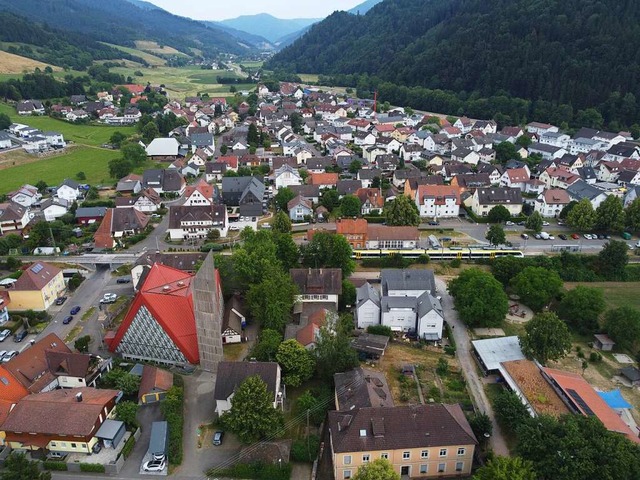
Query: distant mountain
[123, 22]
[364, 7]
[144, 5]
[268, 26]
[574, 53]
[247, 38]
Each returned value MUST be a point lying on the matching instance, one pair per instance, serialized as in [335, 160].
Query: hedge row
[91, 467]
[53, 465]
[128, 447]
[172, 408]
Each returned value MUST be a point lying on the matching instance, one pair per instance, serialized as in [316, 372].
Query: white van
[544, 235]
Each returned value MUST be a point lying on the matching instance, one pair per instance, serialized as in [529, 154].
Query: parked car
[521, 224]
[575, 236]
[154, 466]
[9, 355]
[75, 310]
[97, 447]
[434, 222]
[509, 224]
[525, 236]
[56, 455]
[234, 228]
[537, 236]
[562, 236]
[67, 319]
[545, 224]
[4, 334]
[60, 300]
[18, 337]
[217, 437]
[551, 237]
[587, 236]
[108, 298]
[123, 280]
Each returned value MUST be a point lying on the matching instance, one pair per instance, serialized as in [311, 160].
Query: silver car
[4, 334]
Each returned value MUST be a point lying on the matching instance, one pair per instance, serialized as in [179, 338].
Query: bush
[172, 408]
[380, 330]
[455, 263]
[207, 247]
[53, 465]
[82, 344]
[91, 467]
[450, 350]
[128, 447]
[304, 450]
[595, 357]
[424, 259]
[257, 471]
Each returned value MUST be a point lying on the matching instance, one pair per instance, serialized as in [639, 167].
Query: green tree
[506, 151]
[536, 286]
[632, 215]
[119, 167]
[281, 223]
[283, 197]
[581, 307]
[223, 149]
[267, 346]
[327, 250]
[379, 469]
[348, 297]
[330, 199]
[582, 217]
[82, 344]
[134, 153]
[41, 186]
[534, 222]
[498, 214]
[510, 411]
[506, 468]
[253, 137]
[623, 326]
[252, 416]
[334, 353]
[355, 166]
[296, 362]
[564, 213]
[496, 235]
[350, 206]
[546, 338]
[481, 425]
[150, 131]
[256, 257]
[213, 234]
[5, 121]
[479, 298]
[81, 176]
[315, 403]
[19, 467]
[402, 211]
[128, 383]
[286, 250]
[270, 300]
[613, 260]
[93, 193]
[126, 412]
[610, 215]
[117, 138]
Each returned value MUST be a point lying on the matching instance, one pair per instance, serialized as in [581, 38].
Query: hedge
[91, 467]
[53, 465]
[128, 447]
[172, 408]
[256, 471]
[304, 450]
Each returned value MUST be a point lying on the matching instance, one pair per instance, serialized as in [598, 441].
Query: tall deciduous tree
[296, 361]
[610, 214]
[379, 469]
[506, 468]
[281, 223]
[119, 167]
[581, 308]
[271, 299]
[252, 416]
[267, 346]
[330, 199]
[623, 326]
[536, 286]
[496, 235]
[329, 251]
[134, 153]
[334, 353]
[510, 411]
[126, 412]
[19, 467]
[350, 206]
[534, 222]
[283, 197]
[498, 214]
[582, 217]
[613, 260]
[632, 215]
[546, 338]
[479, 298]
[402, 211]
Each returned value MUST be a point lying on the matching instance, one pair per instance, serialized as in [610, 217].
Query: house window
[365, 458]
[459, 466]
[461, 451]
[74, 445]
[346, 474]
[406, 455]
[441, 467]
[443, 452]
[424, 468]
[384, 455]
[346, 460]
[53, 444]
[424, 454]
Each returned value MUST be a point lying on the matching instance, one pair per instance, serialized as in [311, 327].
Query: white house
[438, 201]
[231, 374]
[367, 306]
[484, 199]
[27, 195]
[68, 190]
[299, 208]
[286, 176]
[54, 208]
[403, 282]
[550, 203]
[541, 128]
[5, 140]
[317, 285]
[515, 178]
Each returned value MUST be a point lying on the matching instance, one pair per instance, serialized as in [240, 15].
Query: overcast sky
[223, 9]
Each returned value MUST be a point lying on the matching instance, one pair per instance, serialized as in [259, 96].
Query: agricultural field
[149, 58]
[156, 49]
[15, 64]
[92, 135]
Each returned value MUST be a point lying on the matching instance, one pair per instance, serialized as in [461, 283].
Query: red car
[575, 236]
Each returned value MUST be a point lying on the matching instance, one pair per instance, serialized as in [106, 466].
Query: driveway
[146, 416]
[468, 366]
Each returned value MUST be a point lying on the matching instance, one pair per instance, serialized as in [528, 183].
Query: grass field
[616, 294]
[81, 134]
[149, 58]
[10, 63]
[156, 49]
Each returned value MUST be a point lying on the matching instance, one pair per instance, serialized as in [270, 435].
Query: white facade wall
[431, 323]
[368, 314]
[399, 319]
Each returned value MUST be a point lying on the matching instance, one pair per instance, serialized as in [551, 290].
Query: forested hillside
[571, 52]
[65, 49]
[121, 22]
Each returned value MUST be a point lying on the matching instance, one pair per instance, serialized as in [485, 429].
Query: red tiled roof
[384, 127]
[350, 226]
[518, 175]
[439, 192]
[323, 179]
[230, 160]
[134, 89]
[36, 276]
[201, 186]
[374, 195]
[556, 196]
[102, 238]
[11, 390]
[154, 379]
[307, 335]
[167, 294]
[572, 382]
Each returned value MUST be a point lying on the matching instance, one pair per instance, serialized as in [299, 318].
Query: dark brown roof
[36, 276]
[58, 412]
[392, 428]
[231, 374]
[154, 379]
[327, 281]
[128, 218]
[181, 261]
[70, 364]
[360, 388]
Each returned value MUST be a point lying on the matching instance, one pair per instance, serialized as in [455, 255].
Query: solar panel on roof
[37, 267]
[581, 403]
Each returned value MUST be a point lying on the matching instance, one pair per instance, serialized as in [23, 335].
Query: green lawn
[149, 58]
[616, 294]
[81, 134]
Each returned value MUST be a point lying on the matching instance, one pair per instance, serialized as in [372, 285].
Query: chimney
[79, 397]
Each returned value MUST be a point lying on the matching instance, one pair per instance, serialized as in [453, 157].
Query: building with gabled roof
[484, 199]
[318, 284]
[232, 374]
[37, 288]
[154, 384]
[432, 440]
[361, 388]
[117, 224]
[438, 201]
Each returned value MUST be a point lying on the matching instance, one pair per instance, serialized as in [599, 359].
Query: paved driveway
[463, 351]
[146, 416]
